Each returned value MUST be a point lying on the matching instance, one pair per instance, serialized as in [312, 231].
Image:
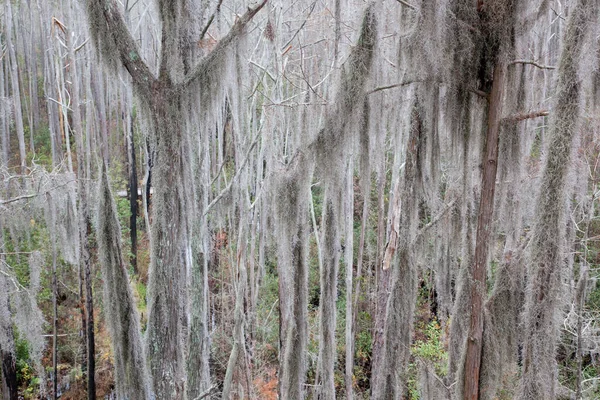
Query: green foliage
[267, 321]
[432, 348]
[42, 142]
[317, 197]
[26, 378]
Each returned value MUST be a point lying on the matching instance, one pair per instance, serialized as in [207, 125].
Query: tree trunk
[349, 265]
[16, 94]
[133, 188]
[484, 229]
[397, 333]
[328, 285]
[167, 273]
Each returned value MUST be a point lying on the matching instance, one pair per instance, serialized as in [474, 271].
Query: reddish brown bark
[484, 226]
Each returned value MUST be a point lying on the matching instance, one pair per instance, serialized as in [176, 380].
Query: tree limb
[206, 393]
[32, 195]
[219, 51]
[404, 3]
[523, 116]
[210, 20]
[436, 219]
[535, 64]
[112, 36]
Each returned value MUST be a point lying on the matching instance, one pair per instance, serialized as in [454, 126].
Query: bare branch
[32, 195]
[534, 63]
[436, 219]
[210, 20]
[237, 173]
[524, 116]
[217, 53]
[81, 45]
[312, 7]
[404, 3]
[395, 85]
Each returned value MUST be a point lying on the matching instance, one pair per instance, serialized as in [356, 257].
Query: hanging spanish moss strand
[121, 313]
[391, 380]
[547, 257]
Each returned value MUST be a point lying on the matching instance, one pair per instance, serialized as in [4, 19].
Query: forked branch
[113, 38]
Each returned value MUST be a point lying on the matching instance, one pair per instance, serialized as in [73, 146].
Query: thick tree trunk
[167, 275]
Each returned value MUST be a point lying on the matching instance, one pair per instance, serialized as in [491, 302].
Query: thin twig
[29, 196]
[210, 20]
[534, 63]
[81, 45]
[237, 173]
[435, 220]
[392, 86]
[404, 3]
[312, 7]
[524, 116]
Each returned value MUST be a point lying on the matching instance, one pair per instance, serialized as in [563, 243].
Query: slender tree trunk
[132, 186]
[237, 367]
[382, 280]
[349, 263]
[16, 94]
[4, 114]
[328, 285]
[84, 218]
[580, 304]
[8, 371]
[484, 229]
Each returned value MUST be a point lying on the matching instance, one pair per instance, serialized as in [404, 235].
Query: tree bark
[14, 76]
[484, 228]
